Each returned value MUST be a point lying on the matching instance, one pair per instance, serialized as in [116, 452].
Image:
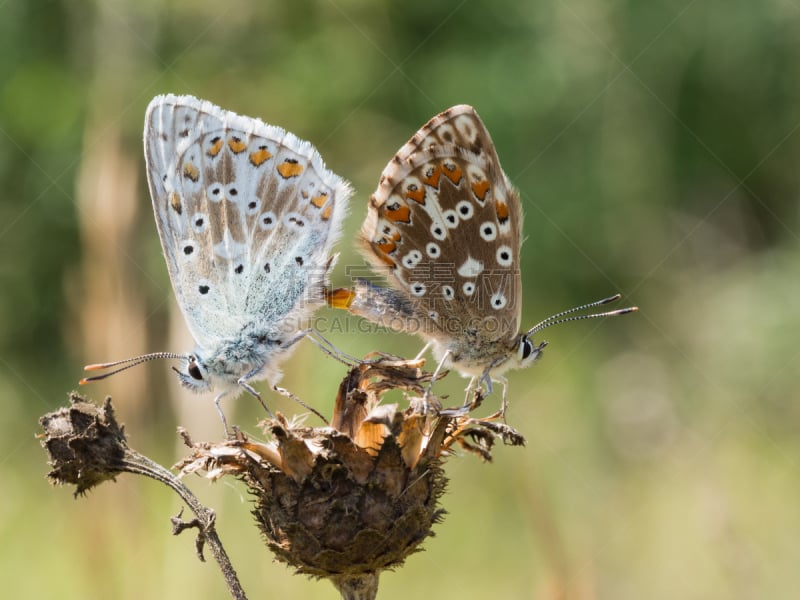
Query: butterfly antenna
[126, 364]
[562, 317]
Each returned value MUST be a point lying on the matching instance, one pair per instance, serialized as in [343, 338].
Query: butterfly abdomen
[382, 306]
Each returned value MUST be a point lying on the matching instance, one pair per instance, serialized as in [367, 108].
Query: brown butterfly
[445, 228]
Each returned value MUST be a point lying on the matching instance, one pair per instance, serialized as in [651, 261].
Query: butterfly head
[527, 352]
[193, 374]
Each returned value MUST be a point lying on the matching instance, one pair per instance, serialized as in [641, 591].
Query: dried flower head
[347, 501]
[85, 443]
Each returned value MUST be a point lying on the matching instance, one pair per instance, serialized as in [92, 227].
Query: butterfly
[247, 215]
[445, 228]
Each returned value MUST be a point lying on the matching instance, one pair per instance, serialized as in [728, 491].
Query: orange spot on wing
[259, 156]
[401, 214]
[319, 201]
[340, 298]
[432, 177]
[236, 145]
[190, 171]
[453, 172]
[289, 168]
[216, 146]
[417, 195]
[175, 202]
[501, 208]
[387, 245]
[385, 258]
[480, 189]
[326, 214]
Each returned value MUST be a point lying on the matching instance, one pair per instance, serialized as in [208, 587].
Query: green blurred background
[656, 148]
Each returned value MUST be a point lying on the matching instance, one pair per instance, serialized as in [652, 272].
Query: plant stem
[139, 464]
[361, 586]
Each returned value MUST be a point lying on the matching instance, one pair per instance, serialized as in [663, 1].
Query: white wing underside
[247, 215]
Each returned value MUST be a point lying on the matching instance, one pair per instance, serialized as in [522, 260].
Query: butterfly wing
[444, 226]
[247, 215]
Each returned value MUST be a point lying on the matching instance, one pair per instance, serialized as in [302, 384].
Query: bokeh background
[656, 148]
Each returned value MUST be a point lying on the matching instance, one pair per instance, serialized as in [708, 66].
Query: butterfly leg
[468, 401]
[329, 349]
[473, 396]
[471, 386]
[288, 394]
[486, 379]
[222, 414]
[422, 352]
[425, 405]
[242, 381]
[474, 383]
[504, 404]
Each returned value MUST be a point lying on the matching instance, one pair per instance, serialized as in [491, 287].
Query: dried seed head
[355, 511]
[348, 501]
[85, 443]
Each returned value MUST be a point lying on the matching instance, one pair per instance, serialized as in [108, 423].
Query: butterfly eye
[194, 371]
[527, 348]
